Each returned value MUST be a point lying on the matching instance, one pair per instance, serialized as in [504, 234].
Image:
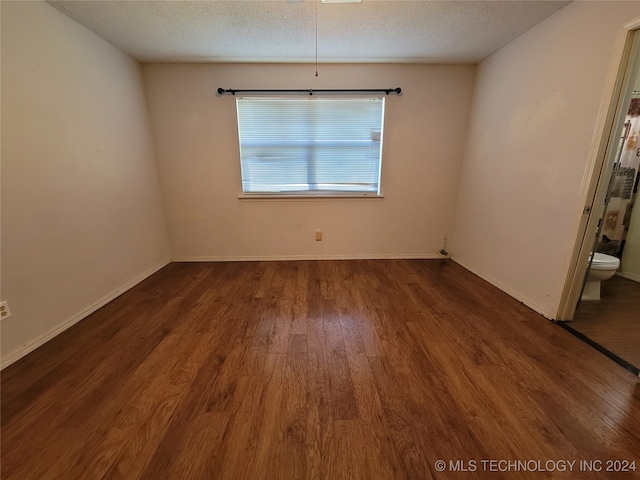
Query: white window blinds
[311, 146]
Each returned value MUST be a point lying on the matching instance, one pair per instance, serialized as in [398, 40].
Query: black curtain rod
[388, 91]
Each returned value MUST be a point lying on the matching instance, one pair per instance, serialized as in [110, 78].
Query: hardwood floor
[614, 321]
[314, 370]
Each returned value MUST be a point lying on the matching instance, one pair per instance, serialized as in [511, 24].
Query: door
[608, 149]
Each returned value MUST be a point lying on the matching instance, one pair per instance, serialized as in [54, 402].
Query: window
[310, 146]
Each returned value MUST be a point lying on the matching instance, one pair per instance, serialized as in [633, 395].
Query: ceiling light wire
[316, 2]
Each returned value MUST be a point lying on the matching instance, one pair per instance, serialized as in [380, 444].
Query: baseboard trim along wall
[277, 258]
[41, 340]
[628, 276]
[506, 290]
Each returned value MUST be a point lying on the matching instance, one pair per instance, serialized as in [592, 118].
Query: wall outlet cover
[4, 310]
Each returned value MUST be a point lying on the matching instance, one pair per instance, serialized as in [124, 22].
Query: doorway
[612, 324]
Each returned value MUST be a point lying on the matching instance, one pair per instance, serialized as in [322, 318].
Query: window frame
[315, 194]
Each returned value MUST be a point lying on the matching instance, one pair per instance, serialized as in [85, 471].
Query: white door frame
[601, 161]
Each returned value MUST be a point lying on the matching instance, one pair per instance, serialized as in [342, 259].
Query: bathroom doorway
[611, 229]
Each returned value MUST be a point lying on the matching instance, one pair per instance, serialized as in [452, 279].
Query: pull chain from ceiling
[316, 37]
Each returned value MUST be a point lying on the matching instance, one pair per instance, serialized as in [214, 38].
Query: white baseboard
[629, 276]
[506, 290]
[42, 339]
[275, 258]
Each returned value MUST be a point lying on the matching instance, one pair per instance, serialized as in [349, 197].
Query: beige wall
[197, 152]
[630, 264]
[82, 214]
[535, 107]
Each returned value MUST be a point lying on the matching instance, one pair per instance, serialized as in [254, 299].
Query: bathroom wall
[630, 265]
[534, 113]
[623, 188]
[82, 216]
[198, 157]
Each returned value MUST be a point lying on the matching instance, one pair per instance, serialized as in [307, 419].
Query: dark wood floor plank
[94, 388]
[169, 379]
[93, 345]
[380, 451]
[364, 369]
[614, 321]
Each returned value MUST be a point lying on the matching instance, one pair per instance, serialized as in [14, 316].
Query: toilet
[603, 267]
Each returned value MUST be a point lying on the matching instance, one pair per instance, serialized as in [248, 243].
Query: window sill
[280, 197]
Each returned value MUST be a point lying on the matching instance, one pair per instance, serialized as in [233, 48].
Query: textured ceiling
[285, 31]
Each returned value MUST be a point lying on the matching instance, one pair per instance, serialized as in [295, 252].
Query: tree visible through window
[311, 146]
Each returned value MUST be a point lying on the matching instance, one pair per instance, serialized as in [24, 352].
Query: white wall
[535, 106]
[197, 152]
[82, 213]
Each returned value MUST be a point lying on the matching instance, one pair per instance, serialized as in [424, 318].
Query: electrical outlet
[318, 235]
[4, 310]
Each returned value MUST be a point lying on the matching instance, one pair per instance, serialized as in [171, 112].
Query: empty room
[319, 239]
